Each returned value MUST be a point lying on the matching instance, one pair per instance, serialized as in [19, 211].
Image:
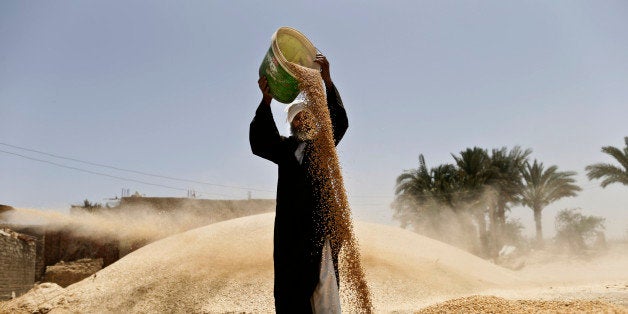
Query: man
[306, 267]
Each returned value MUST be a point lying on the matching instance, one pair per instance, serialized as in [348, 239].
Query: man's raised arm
[263, 134]
[337, 112]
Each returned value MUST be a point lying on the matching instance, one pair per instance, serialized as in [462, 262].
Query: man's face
[303, 126]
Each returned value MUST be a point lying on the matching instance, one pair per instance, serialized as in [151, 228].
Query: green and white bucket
[287, 45]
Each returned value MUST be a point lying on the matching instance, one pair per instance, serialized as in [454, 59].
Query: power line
[588, 186]
[133, 171]
[104, 174]
[158, 175]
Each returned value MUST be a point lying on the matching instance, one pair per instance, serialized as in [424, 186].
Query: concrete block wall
[17, 263]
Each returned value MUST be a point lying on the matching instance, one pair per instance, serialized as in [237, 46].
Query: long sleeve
[263, 135]
[337, 113]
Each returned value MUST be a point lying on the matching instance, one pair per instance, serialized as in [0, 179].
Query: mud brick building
[17, 263]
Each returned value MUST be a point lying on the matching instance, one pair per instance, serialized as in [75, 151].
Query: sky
[169, 89]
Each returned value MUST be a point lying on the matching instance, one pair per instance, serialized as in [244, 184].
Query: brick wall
[17, 263]
[36, 232]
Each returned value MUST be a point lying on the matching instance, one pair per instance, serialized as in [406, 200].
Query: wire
[134, 171]
[588, 186]
[104, 174]
[158, 175]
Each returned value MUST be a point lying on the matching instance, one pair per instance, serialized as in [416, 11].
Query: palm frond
[610, 173]
[543, 187]
[618, 154]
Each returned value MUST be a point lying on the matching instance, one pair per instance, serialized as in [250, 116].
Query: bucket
[287, 45]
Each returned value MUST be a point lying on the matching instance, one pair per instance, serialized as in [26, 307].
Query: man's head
[302, 122]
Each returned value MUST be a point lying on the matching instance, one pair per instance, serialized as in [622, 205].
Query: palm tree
[543, 187]
[418, 191]
[507, 181]
[445, 184]
[611, 173]
[411, 189]
[507, 177]
[475, 171]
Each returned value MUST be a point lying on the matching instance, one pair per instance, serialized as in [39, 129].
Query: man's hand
[322, 61]
[263, 86]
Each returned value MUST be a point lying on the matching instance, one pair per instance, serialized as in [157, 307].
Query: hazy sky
[169, 88]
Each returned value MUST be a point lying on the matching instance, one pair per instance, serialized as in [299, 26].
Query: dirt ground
[227, 267]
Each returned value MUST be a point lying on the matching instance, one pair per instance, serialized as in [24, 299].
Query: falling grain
[328, 183]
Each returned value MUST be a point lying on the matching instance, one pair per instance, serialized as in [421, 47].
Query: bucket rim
[277, 52]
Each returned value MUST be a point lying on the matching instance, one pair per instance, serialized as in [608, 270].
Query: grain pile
[228, 267]
[43, 298]
[328, 183]
[491, 304]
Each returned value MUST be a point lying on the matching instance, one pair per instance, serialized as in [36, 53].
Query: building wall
[36, 232]
[64, 246]
[17, 263]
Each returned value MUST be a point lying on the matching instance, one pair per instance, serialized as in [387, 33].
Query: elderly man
[306, 267]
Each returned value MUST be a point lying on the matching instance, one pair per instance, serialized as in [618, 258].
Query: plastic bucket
[287, 45]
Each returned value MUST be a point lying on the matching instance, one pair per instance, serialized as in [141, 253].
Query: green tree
[507, 178]
[608, 172]
[492, 183]
[427, 200]
[575, 229]
[507, 181]
[410, 190]
[543, 187]
[419, 193]
[512, 233]
[475, 171]
[91, 207]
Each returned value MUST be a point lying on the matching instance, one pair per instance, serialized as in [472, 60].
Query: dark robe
[298, 234]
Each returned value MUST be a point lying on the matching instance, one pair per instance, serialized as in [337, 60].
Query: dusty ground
[228, 267]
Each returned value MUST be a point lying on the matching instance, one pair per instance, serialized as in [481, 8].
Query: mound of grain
[491, 304]
[228, 267]
[41, 299]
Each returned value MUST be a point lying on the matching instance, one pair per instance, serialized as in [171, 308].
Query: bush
[579, 232]
[512, 234]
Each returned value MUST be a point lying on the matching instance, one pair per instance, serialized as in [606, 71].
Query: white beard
[303, 134]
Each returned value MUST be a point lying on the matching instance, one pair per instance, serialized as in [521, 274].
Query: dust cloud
[137, 225]
[455, 219]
